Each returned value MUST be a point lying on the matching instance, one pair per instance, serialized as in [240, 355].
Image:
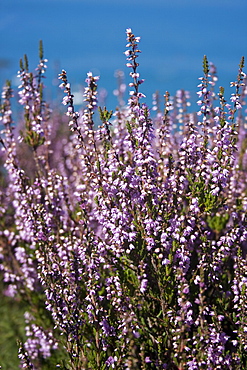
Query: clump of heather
[126, 240]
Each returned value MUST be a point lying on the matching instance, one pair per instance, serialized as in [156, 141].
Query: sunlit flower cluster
[126, 240]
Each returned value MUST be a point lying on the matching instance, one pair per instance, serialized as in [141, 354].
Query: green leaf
[41, 50]
[25, 62]
[218, 222]
[205, 65]
[105, 115]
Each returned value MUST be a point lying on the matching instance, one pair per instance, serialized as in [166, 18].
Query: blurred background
[89, 35]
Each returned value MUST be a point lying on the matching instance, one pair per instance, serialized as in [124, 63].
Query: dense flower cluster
[127, 240]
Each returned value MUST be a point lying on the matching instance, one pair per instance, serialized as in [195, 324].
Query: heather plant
[125, 242]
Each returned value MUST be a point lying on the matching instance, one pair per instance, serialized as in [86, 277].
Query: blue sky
[89, 35]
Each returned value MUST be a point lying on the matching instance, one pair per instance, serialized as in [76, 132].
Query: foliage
[125, 243]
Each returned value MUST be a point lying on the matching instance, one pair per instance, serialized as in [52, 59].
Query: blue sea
[89, 35]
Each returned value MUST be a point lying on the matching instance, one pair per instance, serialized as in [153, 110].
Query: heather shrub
[125, 242]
